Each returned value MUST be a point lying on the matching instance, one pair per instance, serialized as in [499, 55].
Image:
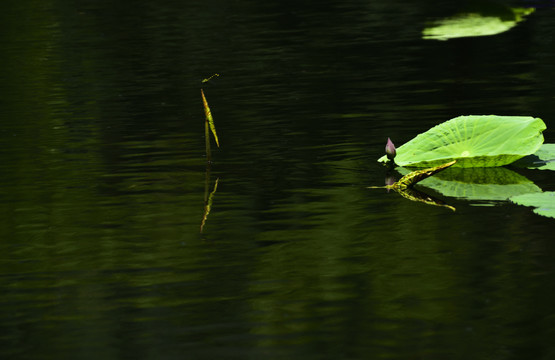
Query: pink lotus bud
[390, 149]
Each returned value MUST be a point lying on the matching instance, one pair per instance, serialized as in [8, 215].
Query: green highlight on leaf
[473, 141]
[544, 203]
[475, 24]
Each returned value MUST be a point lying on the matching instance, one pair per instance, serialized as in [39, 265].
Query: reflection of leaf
[544, 203]
[209, 118]
[490, 184]
[474, 141]
[419, 196]
[474, 24]
[208, 205]
[543, 159]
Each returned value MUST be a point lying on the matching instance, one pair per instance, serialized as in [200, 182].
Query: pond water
[104, 184]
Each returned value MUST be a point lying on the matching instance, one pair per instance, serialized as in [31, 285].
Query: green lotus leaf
[483, 184]
[544, 203]
[475, 24]
[543, 159]
[474, 141]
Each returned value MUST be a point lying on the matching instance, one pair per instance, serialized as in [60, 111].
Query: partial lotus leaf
[544, 203]
[543, 159]
[483, 184]
[475, 24]
[473, 141]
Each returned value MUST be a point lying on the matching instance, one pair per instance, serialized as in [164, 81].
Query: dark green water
[104, 180]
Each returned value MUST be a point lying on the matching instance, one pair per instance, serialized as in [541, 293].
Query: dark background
[104, 182]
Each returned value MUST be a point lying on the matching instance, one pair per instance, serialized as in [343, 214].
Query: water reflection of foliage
[486, 184]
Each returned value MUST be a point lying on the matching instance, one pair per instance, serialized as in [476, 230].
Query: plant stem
[207, 140]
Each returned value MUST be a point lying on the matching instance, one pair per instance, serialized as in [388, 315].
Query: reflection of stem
[415, 195]
[206, 182]
[208, 198]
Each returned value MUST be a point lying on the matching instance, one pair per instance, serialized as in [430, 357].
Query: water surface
[104, 181]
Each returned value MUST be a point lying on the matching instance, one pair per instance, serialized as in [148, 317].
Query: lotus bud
[390, 149]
